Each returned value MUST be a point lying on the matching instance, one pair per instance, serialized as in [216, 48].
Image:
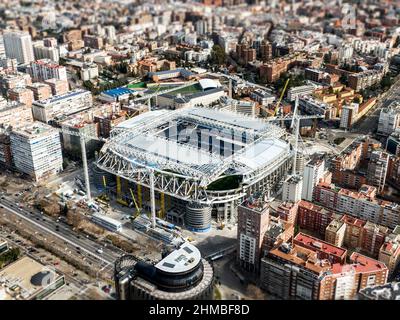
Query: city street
[369, 123]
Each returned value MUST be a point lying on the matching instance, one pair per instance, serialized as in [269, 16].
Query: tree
[343, 79]
[218, 55]
[386, 82]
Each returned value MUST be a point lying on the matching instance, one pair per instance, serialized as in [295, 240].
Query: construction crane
[295, 126]
[134, 201]
[281, 97]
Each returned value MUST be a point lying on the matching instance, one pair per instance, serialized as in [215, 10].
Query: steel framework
[179, 179]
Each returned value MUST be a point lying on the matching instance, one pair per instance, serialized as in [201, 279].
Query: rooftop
[319, 245]
[25, 278]
[167, 141]
[182, 260]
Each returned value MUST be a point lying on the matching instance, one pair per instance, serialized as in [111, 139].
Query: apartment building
[316, 107]
[299, 271]
[335, 232]
[36, 150]
[313, 171]
[278, 232]
[14, 80]
[325, 250]
[292, 188]
[58, 87]
[79, 124]
[293, 272]
[21, 95]
[389, 119]
[41, 91]
[14, 114]
[287, 211]
[389, 253]
[253, 219]
[349, 115]
[378, 169]
[362, 80]
[313, 217]
[5, 150]
[362, 204]
[45, 69]
[61, 106]
[299, 91]
[18, 45]
[46, 49]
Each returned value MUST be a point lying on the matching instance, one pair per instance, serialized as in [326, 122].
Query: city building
[36, 150]
[362, 204]
[180, 275]
[378, 169]
[389, 291]
[41, 91]
[325, 250]
[292, 188]
[313, 171]
[21, 95]
[365, 79]
[313, 217]
[46, 49]
[89, 72]
[287, 211]
[14, 114]
[393, 143]
[79, 124]
[45, 69]
[171, 74]
[389, 119]
[389, 253]
[14, 80]
[348, 115]
[63, 105]
[58, 87]
[299, 91]
[335, 233]
[18, 45]
[253, 220]
[27, 279]
[5, 150]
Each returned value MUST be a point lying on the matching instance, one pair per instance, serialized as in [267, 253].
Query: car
[100, 250]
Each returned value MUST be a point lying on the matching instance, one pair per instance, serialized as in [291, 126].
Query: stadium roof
[162, 141]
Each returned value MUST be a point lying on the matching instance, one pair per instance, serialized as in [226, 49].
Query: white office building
[313, 172]
[348, 115]
[18, 45]
[292, 188]
[36, 150]
[389, 119]
[57, 107]
[89, 72]
[299, 91]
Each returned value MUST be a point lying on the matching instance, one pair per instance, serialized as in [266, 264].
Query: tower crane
[295, 126]
[281, 97]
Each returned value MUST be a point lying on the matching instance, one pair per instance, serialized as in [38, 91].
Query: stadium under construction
[190, 165]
